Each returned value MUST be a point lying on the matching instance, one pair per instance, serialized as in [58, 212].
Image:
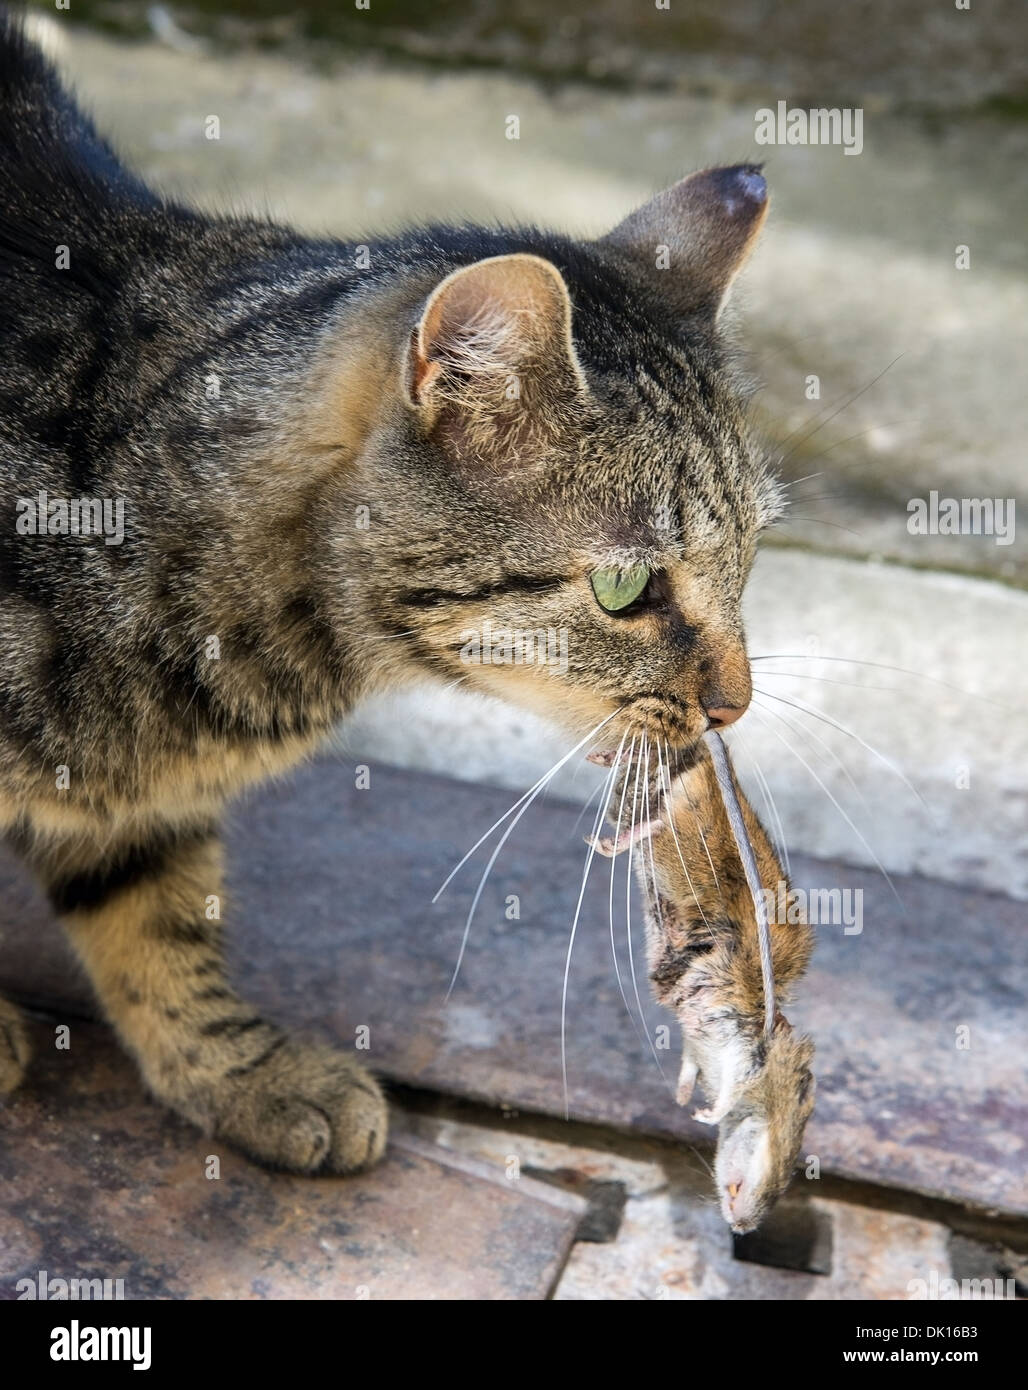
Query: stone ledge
[332, 889]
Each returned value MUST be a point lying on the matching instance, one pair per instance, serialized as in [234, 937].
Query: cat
[326, 473]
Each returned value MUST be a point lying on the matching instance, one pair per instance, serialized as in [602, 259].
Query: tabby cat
[249, 477]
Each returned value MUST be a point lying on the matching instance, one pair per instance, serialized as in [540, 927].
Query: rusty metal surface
[98, 1183]
[672, 1243]
[334, 928]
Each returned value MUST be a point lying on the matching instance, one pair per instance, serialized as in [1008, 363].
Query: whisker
[829, 680]
[751, 869]
[481, 886]
[674, 833]
[804, 423]
[637, 1024]
[706, 849]
[585, 807]
[656, 901]
[807, 734]
[601, 809]
[610, 902]
[804, 708]
[769, 802]
[496, 852]
[884, 666]
[523, 798]
[628, 876]
[790, 518]
[824, 497]
[845, 405]
[856, 830]
[631, 953]
[856, 463]
[649, 820]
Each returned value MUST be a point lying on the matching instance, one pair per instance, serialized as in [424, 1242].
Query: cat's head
[564, 503]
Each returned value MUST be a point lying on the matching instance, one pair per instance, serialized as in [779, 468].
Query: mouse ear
[694, 238]
[781, 1024]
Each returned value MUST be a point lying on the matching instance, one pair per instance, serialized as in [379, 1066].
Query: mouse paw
[686, 1081]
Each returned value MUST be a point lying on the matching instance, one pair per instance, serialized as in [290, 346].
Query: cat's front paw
[306, 1108]
[14, 1047]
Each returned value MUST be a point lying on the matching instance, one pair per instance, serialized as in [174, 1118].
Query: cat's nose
[725, 688]
[718, 716]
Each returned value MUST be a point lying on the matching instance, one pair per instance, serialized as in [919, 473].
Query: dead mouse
[704, 963]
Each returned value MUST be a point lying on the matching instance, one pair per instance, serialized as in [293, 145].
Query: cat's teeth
[609, 846]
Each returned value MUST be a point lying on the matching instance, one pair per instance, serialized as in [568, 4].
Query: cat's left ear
[694, 238]
[491, 358]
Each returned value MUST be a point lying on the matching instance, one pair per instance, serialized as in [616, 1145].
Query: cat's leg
[140, 919]
[14, 1046]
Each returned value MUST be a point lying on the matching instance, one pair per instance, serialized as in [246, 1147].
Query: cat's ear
[492, 356]
[695, 237]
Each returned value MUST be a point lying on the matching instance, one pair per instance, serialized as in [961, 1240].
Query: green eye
[616, 589]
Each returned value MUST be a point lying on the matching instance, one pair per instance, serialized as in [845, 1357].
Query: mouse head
[759, 1138]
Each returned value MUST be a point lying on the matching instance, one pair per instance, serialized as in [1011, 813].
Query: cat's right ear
[491, 357]
[694, 238]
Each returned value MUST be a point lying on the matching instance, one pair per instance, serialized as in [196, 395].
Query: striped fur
[326, 479]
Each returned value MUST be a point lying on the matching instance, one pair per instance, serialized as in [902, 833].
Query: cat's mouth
[666, 721]
[663, 729]
[647, 767]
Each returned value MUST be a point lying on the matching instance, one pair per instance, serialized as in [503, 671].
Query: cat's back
[60, 183]
[65, 210]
